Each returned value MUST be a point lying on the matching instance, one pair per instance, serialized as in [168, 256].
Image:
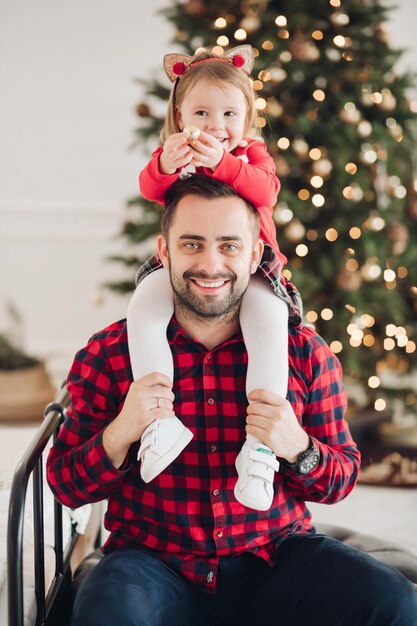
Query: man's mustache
[204, 276]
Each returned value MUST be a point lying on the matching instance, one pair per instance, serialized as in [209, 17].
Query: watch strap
[312, 449]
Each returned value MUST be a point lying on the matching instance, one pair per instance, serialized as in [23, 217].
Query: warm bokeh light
[336, 347]
[355, 232]
[240, 34]
[326, 314]
[380, 404]
[220, 23]
[281, 20]
[222, 40]
[315, 154]
[351, 168]
[311, 316]
[303, 194]
[283, 143]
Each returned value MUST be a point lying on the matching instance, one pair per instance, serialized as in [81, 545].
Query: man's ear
[162, 248]
[257, 253]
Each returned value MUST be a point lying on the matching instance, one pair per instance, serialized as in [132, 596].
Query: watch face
[309, 463]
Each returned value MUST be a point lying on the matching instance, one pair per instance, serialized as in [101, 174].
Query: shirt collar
[176, 333]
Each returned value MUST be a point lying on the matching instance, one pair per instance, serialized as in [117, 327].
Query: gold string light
[303, 194]
[312, 316]
[315, 154]
[336, 347]
[218, 51]
[351, 168]
[380, 404]
[318, 200]
[301, 250]
[240, 34]
[283, 143]
[281, 20]
[222, 40]
[317, 35]
[326, 314]
[319, 95]
[220, 23]
[355, 232]
[331, 234]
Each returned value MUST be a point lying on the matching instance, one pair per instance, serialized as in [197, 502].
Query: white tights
[263, 320]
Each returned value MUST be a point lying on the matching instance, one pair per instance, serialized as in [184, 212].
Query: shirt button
[216, 492]
[210, 400]
[210, 577]
[219, 534]
[208, 357]
[213, 448]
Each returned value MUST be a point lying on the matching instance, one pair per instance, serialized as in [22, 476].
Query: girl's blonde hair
[223, 74]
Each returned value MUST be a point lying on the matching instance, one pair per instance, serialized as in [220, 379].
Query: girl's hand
[207, 151]
[175, 154]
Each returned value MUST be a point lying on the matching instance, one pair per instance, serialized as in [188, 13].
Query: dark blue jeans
[316, 581]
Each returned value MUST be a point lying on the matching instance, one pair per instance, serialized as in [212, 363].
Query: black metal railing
[31, 463]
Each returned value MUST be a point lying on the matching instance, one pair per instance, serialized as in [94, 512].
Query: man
[181, 549]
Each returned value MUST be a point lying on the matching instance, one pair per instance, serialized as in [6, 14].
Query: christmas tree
[335, 115]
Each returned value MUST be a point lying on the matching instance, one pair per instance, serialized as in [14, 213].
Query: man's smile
[209, 284]
[205, 285]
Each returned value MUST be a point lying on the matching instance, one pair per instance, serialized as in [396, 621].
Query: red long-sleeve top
[250, 170]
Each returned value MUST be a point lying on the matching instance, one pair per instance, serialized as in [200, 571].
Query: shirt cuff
[316, 473]
[101, 470]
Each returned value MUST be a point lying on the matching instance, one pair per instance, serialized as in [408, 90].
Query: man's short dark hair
[204, 186]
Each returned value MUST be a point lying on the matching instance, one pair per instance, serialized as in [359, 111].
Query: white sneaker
[161, 443]
[256, 465]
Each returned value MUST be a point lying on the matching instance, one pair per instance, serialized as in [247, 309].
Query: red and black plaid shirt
[188, 514]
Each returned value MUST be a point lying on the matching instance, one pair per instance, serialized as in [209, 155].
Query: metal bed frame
[51, 605]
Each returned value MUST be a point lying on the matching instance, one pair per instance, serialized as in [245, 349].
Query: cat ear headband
[175, 65]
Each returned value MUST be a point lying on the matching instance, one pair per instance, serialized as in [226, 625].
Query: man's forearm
[81, 473]
[113, 444]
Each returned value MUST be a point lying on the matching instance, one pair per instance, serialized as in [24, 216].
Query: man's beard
[208, 307]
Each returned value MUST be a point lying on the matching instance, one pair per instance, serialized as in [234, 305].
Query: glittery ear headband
[175, 65]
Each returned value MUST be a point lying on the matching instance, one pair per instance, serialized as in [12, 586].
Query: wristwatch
[307, 461]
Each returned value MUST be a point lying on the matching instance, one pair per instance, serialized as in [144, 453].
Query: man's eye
[230, 247]
[190, 245]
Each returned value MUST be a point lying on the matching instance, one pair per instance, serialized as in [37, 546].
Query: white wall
[67, 97]
[402, 28]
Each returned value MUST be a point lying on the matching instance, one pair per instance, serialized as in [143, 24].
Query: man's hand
[272, 420]
[207, 151]
[139, 410]
[175, 154]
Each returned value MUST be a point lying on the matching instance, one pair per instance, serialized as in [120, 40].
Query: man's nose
[210, 262]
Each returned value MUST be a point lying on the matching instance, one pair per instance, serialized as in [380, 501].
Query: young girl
[210, 112]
